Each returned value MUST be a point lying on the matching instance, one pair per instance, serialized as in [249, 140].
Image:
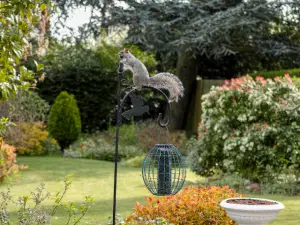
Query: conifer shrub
[192, 205]
[64, 123]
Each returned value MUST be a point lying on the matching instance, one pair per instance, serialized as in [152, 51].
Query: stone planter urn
[247, 211]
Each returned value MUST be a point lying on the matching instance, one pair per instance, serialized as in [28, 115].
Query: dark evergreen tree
[193, 32]
[89, 75]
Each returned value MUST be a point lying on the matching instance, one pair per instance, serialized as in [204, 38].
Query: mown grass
[92, 177]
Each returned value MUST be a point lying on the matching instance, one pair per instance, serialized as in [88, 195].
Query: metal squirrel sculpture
[141, 77]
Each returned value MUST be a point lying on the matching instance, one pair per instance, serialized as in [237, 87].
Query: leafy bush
[277, 73]
[64, 122]
[90, 75]
[190, 206]
[31, 209]
[127, 133]
[140, 221]
[149, 133]
[233, 181]
[19, 20]
[95, 147]
[284, 184]
[28, 138]
[51, 147]
[146, 134]
[26, 107]
[250, 127]
[296, 82]
[8, 160]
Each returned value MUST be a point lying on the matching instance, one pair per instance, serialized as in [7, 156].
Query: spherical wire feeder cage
[163, 170]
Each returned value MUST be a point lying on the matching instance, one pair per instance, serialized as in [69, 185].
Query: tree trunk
[186, 71]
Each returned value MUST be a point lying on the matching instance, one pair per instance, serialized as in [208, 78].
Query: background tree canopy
[211, 38]
[18, 21]
[200, 33]
[90, 75]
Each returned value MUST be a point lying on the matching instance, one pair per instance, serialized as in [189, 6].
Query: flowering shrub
[250, 127]
[190, 206]
[8, 160]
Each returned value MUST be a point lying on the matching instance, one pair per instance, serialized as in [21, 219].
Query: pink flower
[287, 76]
[277, 78]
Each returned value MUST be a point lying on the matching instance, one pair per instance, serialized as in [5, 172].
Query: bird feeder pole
[164, 174]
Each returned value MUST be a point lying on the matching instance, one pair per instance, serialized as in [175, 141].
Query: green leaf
[17, 52]
[43, 7]
[25, 41]
[40, 67]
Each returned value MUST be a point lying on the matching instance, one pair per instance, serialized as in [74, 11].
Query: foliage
[4, 124]
[256, 30]
[90, 75]
[276, 73]
[234, 181]
[296, 82]
[95, 147]
[190, 206]
[89, 175]
[145, 134]
[51, 147]
[140, 221]
[8, 160]
[26, 107]
[97, 17]
[64, 122]
[32, 211]
[28, 138]
[250, 127]
[285, 183]
[149, 133]
[127, 133]
[18, 21]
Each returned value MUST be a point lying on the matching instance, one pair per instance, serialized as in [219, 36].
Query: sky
[77, 18]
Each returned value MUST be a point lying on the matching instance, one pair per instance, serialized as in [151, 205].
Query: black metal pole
[118, 124]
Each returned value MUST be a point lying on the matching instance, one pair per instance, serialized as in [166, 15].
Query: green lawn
[91, 177]
[95, 178]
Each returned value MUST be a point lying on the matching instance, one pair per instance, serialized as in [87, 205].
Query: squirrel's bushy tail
[169, 82]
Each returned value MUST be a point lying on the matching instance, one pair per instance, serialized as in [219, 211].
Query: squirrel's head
[124, 53]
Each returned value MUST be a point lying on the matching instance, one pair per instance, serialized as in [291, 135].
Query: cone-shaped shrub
[64, 122]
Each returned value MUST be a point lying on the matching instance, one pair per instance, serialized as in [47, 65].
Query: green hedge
[277, 73]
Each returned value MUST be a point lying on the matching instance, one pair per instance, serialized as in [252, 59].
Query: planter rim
[243, 207]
